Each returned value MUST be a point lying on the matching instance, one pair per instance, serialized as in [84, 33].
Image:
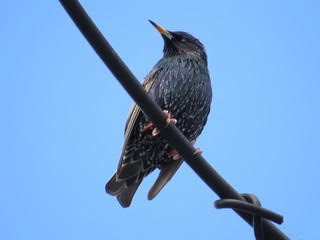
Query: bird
[180, 84]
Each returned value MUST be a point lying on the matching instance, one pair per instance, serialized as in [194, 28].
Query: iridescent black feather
[179, 83]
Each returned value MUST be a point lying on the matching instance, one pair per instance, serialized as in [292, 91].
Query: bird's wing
[118, 187]
[167, 170]
[135, 110]
[134, 114]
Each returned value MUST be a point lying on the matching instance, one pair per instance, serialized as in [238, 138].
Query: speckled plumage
[179, 83]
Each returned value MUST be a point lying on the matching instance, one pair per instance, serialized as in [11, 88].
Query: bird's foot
[198, 150]
[148, 126]
[169, 117]
[174, 154]
[169, 120]
[155, 131]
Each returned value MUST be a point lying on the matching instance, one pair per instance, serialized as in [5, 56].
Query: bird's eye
[179, 38]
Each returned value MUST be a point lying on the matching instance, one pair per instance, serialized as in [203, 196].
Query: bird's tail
[120, 189]
[166, 173]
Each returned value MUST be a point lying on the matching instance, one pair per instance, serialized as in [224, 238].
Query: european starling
[180, 84]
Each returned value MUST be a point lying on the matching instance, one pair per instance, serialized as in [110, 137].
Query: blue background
[63, 114]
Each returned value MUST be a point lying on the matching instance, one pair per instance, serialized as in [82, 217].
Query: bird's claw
[147, 127]
[169, 120]
[174, 154]
[197, 151]
[155, 131]
[169, 117]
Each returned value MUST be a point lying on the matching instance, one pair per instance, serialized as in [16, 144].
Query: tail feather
[124, 189]
[114, 187]
[125, 197]
[166, 173]
[121, 190]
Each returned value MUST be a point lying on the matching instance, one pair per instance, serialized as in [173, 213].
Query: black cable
[252, 207]
[152, 110]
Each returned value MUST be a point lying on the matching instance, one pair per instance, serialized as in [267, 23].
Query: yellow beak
[161, 30]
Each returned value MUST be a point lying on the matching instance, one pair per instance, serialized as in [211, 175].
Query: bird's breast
[183, 88]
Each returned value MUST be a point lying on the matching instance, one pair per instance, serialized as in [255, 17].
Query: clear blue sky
[63, 114]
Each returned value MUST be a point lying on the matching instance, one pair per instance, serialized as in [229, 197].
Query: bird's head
[181, 43]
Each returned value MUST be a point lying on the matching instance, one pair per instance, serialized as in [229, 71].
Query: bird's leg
[155, 131]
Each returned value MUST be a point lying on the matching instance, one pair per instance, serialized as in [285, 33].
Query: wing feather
[135, 110]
